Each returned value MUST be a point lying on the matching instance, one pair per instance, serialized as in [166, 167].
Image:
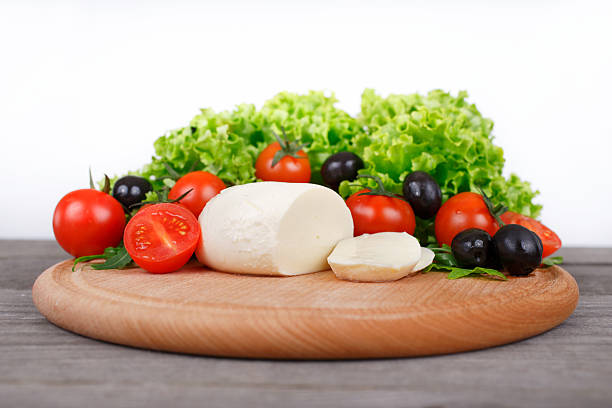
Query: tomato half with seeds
[550, 241]
[162, 237]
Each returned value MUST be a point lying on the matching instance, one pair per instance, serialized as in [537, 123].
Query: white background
[94, 83]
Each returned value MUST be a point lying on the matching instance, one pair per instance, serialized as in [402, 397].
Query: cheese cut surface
[273, 228]
[427, 257]
[381, 257]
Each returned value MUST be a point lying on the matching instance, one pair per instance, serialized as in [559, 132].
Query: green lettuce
[311, 119]
[227, 143]
[213, 142]
[441, 134]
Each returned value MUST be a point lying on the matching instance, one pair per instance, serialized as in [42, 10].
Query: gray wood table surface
[43, 365]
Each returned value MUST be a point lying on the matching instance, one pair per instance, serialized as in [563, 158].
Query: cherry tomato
[288, 169]
[460, 212]
[205, 186]
[87, 221]
[550, 240]
[162, 237]
[380, 213]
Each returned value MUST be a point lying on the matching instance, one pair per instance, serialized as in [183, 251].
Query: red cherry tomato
[380, 213]
[205, 186]
[550, 240]
[288, 169]
[162, 237]
[460, 212]
[87, 221]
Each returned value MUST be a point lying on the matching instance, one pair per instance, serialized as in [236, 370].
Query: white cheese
[427, 257]
[381, 257]
[273, 228]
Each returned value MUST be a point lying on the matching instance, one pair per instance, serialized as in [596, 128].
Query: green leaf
[445, 259]
[440, 133]
[552, 260]
[443, 135]
[456, 273]
[85, 259]
[118, 260]
[227, 143]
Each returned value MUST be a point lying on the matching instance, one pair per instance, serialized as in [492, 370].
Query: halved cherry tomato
[204, 186]
[289, 168]
[87, 221]
[460, 212]
[380, 213]
[550, 240]
[162, 237]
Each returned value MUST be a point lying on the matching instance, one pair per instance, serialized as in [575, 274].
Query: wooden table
[42, 365]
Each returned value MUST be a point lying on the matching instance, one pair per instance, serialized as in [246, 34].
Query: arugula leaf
[444, 256]
[445, 261]
[460, 273]
[552, 260]
[456, 273]
[116, 258]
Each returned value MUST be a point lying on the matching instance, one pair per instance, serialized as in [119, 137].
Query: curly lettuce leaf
[311, 119]
[442, 135]
[212, 142]
[227, 143]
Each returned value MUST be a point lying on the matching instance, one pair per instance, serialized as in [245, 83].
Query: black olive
[339, 167]
[130, 190]
[519, 249]
[423, 193]
[474, 247]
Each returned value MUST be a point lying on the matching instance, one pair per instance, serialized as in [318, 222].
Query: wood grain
[43, 365]
[314, 316]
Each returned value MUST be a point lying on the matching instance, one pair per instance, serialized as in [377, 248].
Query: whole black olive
[423, 193]
[130, 190]
[474, 247]
[519, 249]
[339, 167]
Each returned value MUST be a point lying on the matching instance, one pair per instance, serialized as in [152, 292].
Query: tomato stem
[495, 211]
[288, 148]
[106, 188]
[379, 190]
[163, 200]
[91, 183]
[174, 175]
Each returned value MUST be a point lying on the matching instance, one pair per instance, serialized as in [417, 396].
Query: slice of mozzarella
[273, 228]
[381, 257]
[427, 257]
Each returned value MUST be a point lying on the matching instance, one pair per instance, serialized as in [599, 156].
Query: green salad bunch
[227, 143]
[441, 134]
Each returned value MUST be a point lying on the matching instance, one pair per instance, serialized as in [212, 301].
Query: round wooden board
[314, 316]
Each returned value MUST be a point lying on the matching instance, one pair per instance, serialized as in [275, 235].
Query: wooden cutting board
[312, 316]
